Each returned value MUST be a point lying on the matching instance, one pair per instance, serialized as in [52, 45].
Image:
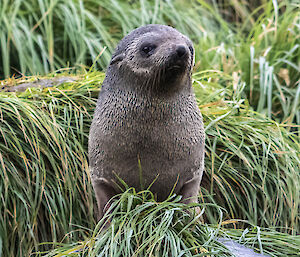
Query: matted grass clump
[252, 163]
[140, 226]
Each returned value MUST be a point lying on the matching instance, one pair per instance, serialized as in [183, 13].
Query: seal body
[147, 128]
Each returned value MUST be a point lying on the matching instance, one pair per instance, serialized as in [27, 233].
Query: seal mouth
[174, 67]
[178, 66]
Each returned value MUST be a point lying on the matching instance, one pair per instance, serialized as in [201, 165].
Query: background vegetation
[246, 80]
[260, 44]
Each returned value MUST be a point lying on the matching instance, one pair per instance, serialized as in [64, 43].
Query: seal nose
[181, 50]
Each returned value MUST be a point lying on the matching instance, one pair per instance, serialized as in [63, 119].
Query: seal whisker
[154, 79]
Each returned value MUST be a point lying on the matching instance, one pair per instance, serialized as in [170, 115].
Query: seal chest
[147, 126]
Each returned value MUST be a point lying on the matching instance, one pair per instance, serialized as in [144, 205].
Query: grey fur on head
[147, 113]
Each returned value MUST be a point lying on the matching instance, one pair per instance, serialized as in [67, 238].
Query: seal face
[154, 56]
[147, 126]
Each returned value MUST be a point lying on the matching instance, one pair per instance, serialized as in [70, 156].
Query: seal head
[156, 57]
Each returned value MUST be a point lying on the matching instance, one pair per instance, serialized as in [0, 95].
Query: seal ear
[193, 62]
[117, 58]
[191, 48]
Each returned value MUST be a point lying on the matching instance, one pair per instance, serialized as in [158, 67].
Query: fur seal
[147, 126]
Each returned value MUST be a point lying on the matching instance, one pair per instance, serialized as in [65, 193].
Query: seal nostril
[181, 50]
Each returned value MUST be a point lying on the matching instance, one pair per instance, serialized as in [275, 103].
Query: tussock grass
[249, 158]
[262, 51]
[45, 188]
[252, 163]
[139, 226]
[272, 51]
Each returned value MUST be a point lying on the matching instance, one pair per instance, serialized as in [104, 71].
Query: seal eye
[147, 49]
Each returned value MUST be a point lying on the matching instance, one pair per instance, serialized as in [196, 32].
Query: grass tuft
[140, 226]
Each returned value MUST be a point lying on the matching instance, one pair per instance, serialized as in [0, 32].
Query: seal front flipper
[190, 190]
[103, 192]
